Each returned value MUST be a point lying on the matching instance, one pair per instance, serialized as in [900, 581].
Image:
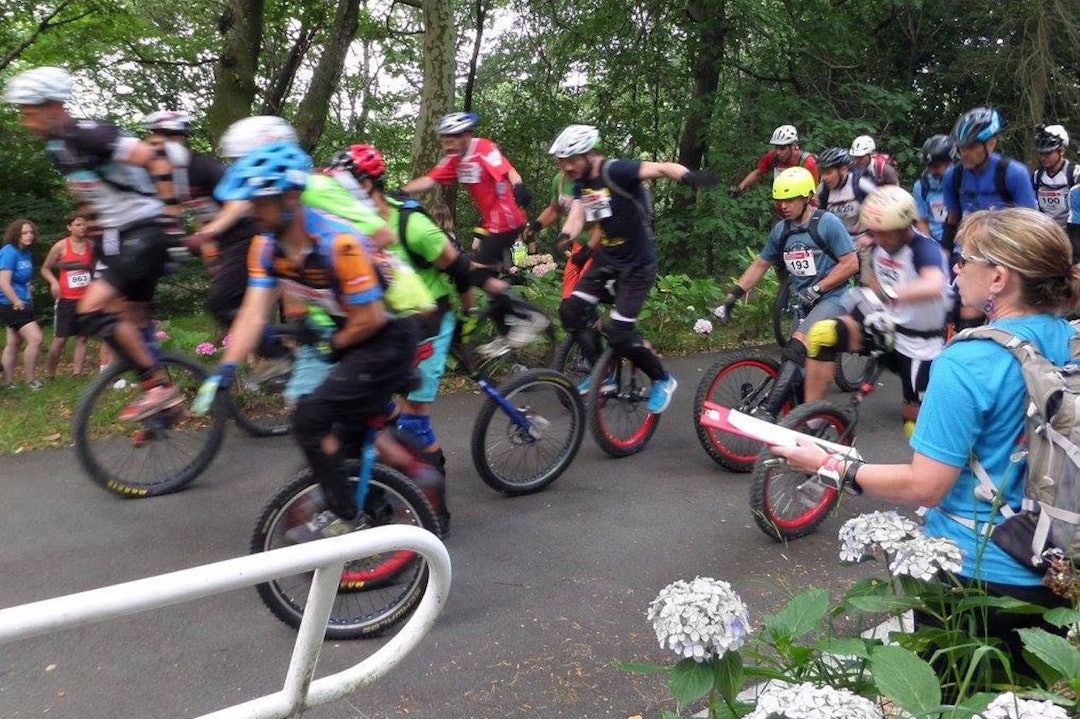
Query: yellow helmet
[793, 182]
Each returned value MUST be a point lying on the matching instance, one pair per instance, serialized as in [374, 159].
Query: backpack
[408, 206]
[860, 193]
[878, 161]
[646, 210]
[999, 180]
[1050, 513]
[1072, 175]
[790, 228]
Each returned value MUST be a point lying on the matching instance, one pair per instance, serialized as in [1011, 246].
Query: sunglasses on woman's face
[962, 260]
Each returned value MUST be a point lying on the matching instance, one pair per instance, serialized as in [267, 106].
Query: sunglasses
[962, 260]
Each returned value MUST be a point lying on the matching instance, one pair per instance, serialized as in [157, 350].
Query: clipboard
[742, 424]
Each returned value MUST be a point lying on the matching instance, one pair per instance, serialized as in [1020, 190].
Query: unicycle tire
[617, 406]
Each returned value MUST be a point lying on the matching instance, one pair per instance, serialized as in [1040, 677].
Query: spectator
[16, 271]
[73, 258]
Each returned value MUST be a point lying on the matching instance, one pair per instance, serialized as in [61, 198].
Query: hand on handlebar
[222, 378]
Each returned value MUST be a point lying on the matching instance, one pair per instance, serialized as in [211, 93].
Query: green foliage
[906, 679]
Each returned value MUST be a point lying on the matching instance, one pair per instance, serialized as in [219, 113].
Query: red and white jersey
[485, 173]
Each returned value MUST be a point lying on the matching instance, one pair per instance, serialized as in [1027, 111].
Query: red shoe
[151, 402]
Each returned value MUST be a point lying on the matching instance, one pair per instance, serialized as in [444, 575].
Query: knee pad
[96, 324]
[826, 340]
[418, 425]
[575, 313]
[795, 351]
[459, 271]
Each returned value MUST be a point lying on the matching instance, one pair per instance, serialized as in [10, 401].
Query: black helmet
[833, 157]
[938, 148]
[978, 125]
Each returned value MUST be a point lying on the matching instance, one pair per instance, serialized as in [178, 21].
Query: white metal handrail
[326, 557]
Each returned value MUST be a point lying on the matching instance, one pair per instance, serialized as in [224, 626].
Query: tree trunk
[234, 74]
[283, 81]
[311, 115]
[437, 94]
[470, 81]
[710, 26]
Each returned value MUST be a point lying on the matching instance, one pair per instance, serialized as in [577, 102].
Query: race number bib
[938, 211]
[468, 173]
[800, 263]
[597, 205]
[1052, 202]
[78, 278]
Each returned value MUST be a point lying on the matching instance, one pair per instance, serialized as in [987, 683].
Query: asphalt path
[549, 591]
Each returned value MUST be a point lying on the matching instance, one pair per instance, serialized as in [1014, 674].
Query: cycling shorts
[632, 286]
[828, 307]
[914, 374]
[16, 319]
[439, 338]
[494, 248]
[139, 262]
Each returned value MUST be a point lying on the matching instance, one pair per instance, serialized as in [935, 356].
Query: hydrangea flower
[1010, 706]
[205, 348]
[860, 535]
[703, 327]
[544, 268]
[807, 701]
[226, 340]
[923, 557]
[161, 335]
[699, 620]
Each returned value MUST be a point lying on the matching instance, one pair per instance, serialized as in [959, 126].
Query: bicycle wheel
[783, 317]
[742, 384]
[258, 405]
[570, 361]
[617, 406]
[786, 503]
[375, 593]
[516, 460]
[154, 456]
[853, 370]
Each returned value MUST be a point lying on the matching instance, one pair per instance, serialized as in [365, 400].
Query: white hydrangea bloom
[703, 327]
[924, 557]
[699, 620]
[1010, 706]
[858, 536]
[807, 701]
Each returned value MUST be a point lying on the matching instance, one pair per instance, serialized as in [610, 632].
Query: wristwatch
[816, 288]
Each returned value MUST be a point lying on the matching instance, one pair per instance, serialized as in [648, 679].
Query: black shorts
[914, 374]
[140, 262]
[64, 323]
[16, 319]
[229, 282]
[493, 248]
[632, 286]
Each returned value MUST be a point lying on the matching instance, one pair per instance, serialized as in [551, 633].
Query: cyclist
[321, 260]
[562, 197]
[443, 269]
[910, 269]
[879, 166]
[929, 190]
[72, 259]
[1056, 175]
[982, 180]
[842, 191]
[125, 184]
[610, 193]
[497, 190]
[785, 153]
[818, 254]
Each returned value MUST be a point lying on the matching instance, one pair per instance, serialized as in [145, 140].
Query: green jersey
[327, 194]
[562, 194]
[426, 240]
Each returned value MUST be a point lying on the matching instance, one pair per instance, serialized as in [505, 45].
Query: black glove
[700, 178]
[734, 191]
[562, 242]
[579, 258]
[522, 196]
[808, 298]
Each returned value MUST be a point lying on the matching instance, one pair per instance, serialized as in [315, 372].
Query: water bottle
[519, 252]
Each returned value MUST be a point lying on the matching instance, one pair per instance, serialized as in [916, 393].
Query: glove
[808, 298]
[468, 325]
[522, 196]
[579, 258]
[879, 328]
[222, 378]
[734, 191]
[700, 178]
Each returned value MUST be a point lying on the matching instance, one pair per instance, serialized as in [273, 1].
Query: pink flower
[226, 340]
[161, 335]
[205, 348]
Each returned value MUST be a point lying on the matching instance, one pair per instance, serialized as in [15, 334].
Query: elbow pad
[458, 271]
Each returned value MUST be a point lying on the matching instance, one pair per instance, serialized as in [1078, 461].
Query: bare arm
[753, 274]
[9, 290]
[929, 286]
[420, 185]
[250, 321]
[575, 220]
[231, 213]
[656, 170]
[157, 164]
[751, 177]
[362, 322]
[46, 267]
[846, 267]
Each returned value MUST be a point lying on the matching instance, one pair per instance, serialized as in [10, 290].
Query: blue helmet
[267, 171]
[978, 125]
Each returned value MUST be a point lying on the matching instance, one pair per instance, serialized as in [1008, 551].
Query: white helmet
[575, 140]
[168, 121]
[457, 122]
[1050, 137]
[784, 135]
[862, 146]
[38, 86]
[245, 135]
[889, 207]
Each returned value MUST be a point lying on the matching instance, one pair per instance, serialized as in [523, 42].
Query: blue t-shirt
[981, 411]
[978, 188]
[1074, 207]
[21, 266]
[929, 193]
[807, 264]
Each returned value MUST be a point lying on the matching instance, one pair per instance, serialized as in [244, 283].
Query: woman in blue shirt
[1011, 270]
[16, 270]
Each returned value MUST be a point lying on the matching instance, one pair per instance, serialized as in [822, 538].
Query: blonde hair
[1033, 246]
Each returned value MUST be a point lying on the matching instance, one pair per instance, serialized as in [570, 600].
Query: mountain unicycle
[617, 406]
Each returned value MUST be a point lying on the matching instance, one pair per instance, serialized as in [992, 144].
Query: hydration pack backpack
[1049, 517]
[999, 180]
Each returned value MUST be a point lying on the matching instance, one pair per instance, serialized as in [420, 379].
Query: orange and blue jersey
[337, 271]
